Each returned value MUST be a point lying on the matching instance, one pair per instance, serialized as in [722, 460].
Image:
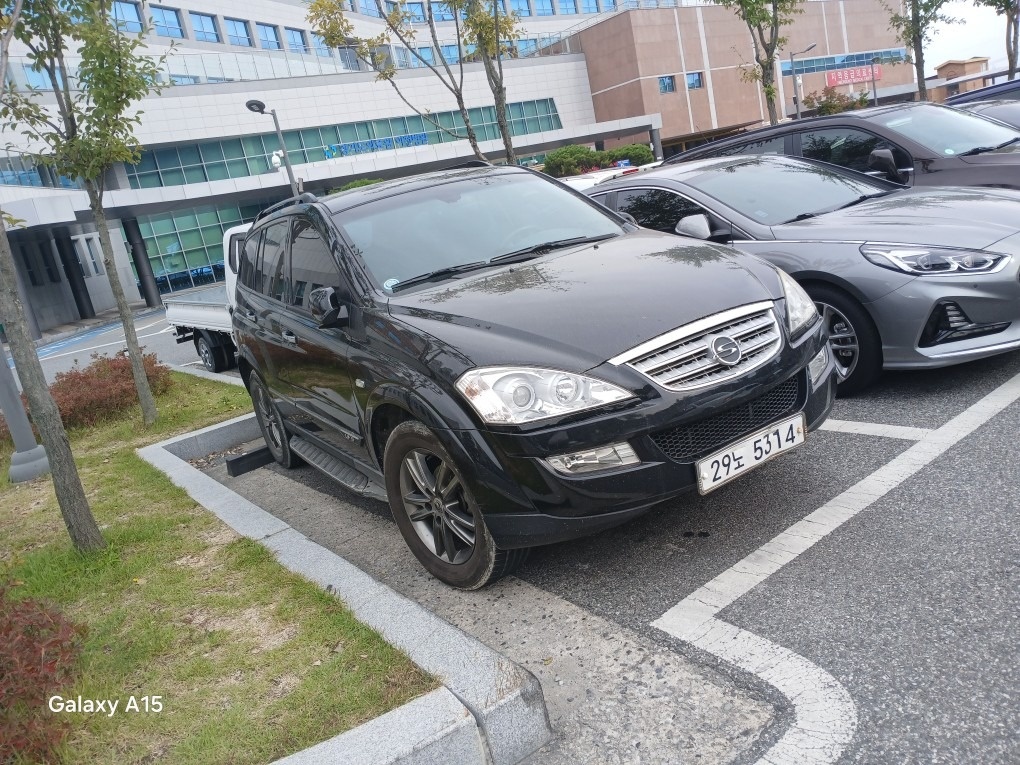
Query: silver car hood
[961, 217]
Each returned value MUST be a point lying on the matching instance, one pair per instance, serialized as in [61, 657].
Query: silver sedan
[905, 278]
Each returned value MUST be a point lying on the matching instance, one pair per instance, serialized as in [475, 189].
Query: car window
[657, 208]
[947, 131]
[846, 147]
[275, 276]
[248, 273]
[465, 221]
[775, 191]
[311, 263]
[766, 146]
[234, 252]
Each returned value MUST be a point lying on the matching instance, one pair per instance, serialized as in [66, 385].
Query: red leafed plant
[88, 395]
[39, 648]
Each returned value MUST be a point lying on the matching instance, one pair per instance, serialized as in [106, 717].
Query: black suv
[509, 364]
[918, 144]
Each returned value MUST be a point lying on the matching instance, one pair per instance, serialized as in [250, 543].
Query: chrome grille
[682, 359]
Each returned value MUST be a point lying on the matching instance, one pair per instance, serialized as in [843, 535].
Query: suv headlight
[800, 309]
[921, 260]
[514, 395]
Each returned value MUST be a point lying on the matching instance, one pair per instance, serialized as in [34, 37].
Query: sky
[982, 34]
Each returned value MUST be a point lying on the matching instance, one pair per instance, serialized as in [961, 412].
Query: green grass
[252, 662]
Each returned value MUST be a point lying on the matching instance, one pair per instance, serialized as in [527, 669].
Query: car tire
[436, 513]
[213, 357]
[271, 424]
[853, 339]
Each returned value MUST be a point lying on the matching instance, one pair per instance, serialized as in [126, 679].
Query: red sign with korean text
[852, 75]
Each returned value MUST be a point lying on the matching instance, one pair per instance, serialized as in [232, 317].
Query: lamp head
[255, 106]
[810, 47]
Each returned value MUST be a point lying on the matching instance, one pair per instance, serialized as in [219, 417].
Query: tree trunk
[468, 127]
[74, 506]
[145, 397]
[768, 87]
[499, 96]
[1013, 38]
[922, 86]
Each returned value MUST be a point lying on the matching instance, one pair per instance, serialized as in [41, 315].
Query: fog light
[590, 460]
[818, 364]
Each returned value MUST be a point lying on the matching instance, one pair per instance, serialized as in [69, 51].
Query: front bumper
[525, 502]
[988, 299]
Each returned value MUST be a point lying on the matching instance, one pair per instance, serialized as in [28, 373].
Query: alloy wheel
[843, 340]
[434, 501]
[268, 416]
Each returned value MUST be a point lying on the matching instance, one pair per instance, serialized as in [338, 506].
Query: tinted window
[767, 146]
[777, 191]
[465, 221]
[234, 252]
[947, 131]
[845, 147]
[656, 208]
[275, 276]
[248, 275]
[311, 263]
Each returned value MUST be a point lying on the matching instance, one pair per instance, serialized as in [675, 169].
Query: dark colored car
[911, 144]
[904, 278]
[1003, 110]
[511, 364]
[1010, 89]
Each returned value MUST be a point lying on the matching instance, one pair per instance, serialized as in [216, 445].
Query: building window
[296, 40]
[543, 7]
[667, 84]
[204, 27]
[417, 11]
[369, 8]
[320, 47]
[126, 16]
[167, 22]
[829, 63]
[608, 5]
[237, 32]
[526, 47]
[441, 12]
[521, 6]
[589, 6]
[269, 36]
[568, 6]
[695, 81]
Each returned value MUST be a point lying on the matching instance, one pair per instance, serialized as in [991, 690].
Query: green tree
[90, 126]
[475, 33]
[915, 22]
[765, 20]
[832, 101]
[74, 506]
[1010, 9]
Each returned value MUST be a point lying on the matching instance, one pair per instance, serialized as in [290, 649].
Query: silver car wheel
[843, 340]
[434, 502]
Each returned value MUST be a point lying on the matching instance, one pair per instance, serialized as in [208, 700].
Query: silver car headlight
[922, 260]
[514, 395]
[800, 309]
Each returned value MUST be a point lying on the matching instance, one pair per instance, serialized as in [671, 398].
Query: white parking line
[825, 715]
[875, 429]
[101, 345]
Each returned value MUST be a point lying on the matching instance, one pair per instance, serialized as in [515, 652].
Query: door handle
[289, 336]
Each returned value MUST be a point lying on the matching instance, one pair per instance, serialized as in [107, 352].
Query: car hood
[961, 217]
[573, 309]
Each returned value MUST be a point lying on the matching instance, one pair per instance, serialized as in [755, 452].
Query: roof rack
[470, 163]
[305, 198]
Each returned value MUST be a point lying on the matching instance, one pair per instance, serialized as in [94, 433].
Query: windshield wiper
[802, 216]
[863, 198]
[535, 250]
[986, 149]
[439, 273]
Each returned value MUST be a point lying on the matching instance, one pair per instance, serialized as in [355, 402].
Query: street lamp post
[260, 108]
[793, 75]
[874, 82]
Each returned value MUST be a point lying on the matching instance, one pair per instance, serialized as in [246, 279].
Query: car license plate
[738, 458]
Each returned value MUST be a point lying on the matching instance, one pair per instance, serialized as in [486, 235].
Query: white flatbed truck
[203, 317]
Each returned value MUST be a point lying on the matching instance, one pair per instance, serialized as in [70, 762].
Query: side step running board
[340, 472]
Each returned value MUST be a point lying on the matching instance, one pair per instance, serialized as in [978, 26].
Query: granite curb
[505, 702]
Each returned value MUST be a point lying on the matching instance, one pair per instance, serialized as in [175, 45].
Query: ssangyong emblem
[725, 350]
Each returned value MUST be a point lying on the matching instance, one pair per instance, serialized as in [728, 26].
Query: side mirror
[326, 308]
[883, 161]
[694, 226]
[630, 218]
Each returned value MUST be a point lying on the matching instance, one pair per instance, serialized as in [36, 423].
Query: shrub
[39, 648]
[637, 153]
[572, 160]
[832, 101]
[101, 390]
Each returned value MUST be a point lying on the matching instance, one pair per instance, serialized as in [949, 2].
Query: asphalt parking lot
[854, 601]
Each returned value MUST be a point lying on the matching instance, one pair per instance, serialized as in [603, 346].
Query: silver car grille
[683, 358]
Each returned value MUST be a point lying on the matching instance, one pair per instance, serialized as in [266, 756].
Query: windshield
[772, 192]
[466, 221]
[946, 131]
